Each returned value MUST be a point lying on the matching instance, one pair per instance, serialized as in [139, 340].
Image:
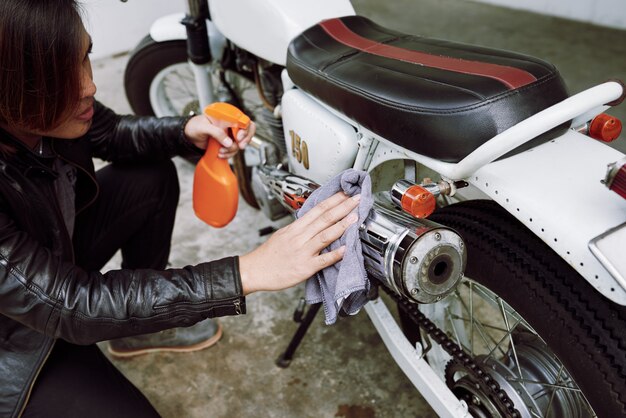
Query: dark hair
[40, 45]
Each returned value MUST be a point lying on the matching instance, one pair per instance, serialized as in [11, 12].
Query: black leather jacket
[44, 296]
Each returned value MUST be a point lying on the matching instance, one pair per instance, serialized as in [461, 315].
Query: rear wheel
[550, 341]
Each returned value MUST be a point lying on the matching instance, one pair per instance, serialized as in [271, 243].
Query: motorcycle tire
[579, 328]
[147, 93]
[147, 60]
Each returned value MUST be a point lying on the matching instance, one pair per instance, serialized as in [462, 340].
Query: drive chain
[459, 355]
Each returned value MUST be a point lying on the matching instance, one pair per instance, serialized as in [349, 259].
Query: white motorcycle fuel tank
[266, 27]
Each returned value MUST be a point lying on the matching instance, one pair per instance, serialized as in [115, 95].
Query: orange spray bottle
[215, 188]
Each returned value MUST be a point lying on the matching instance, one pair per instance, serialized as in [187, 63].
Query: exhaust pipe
[416, 258]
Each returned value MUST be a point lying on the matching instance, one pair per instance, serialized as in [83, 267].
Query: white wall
[117, 27]
[611, 13]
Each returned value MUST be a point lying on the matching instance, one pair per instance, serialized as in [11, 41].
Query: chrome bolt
[413, 260]
[437, 236]
[415, 291]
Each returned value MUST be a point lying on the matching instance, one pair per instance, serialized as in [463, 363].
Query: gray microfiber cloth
[342, 287]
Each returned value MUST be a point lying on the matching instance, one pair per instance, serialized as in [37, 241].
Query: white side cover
[266, 27]
[330, 143]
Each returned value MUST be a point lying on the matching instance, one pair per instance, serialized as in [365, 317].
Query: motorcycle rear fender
[555, 190]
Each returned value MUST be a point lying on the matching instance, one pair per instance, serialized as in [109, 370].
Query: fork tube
[198, 49]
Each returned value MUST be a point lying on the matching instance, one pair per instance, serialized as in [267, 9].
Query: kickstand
[285, 358]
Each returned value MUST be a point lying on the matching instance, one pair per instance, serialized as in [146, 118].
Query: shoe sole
[186, 349]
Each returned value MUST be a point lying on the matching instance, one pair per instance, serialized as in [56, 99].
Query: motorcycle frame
[565, 205]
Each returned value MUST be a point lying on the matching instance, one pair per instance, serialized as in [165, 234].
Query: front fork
[199, 50]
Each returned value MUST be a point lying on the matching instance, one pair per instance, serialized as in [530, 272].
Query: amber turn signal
[418, 201]
[605, 128]
[615, 178]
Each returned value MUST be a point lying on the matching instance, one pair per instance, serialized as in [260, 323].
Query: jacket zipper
[95, 196]
[78, 167]
[237, 304]
[32, 384]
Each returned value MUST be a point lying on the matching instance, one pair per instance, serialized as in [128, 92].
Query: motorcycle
[499, 227]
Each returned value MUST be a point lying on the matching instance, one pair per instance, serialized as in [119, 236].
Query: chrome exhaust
[416, 258]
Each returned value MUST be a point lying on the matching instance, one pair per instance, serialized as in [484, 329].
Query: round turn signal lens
[605, 128]
[618, 185]
[418, 201]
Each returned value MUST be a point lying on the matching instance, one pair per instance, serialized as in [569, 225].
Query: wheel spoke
[471, 303]
[479, 327]
[485, 326]
[548, 385]
[504, 337]
[183, 83]
[510, 335]
[456, 335]
[554, 389]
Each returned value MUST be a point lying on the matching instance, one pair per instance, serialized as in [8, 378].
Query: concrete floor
[342, 370]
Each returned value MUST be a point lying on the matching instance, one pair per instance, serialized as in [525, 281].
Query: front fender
[168, 28]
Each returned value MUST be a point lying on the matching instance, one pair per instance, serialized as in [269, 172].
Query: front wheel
[547, 339]
[159, 81]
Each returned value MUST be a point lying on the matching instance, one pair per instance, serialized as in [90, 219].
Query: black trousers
[134, 212]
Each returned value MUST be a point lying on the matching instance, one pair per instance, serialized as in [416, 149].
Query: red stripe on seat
[509, 76]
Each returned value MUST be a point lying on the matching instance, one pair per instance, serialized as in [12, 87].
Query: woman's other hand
[292, 254]
[200, 128]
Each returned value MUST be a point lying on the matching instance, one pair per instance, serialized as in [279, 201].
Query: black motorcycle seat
[436, 98]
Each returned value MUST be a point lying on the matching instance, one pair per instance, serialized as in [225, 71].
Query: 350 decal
[299, 149]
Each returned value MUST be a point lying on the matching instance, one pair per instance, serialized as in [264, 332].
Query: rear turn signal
[413, 199]
[605, 128]
[616, 177]
[418, 201]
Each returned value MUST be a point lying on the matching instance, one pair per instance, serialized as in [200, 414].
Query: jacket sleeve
[120, 138]
[62, 300]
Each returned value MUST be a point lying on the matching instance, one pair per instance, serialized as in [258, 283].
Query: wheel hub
[541, 390]
[471, 390]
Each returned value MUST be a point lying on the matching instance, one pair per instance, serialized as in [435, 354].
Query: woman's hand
[292, 254]
[200, 128]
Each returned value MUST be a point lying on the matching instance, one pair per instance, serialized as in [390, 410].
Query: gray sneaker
[202, 335]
